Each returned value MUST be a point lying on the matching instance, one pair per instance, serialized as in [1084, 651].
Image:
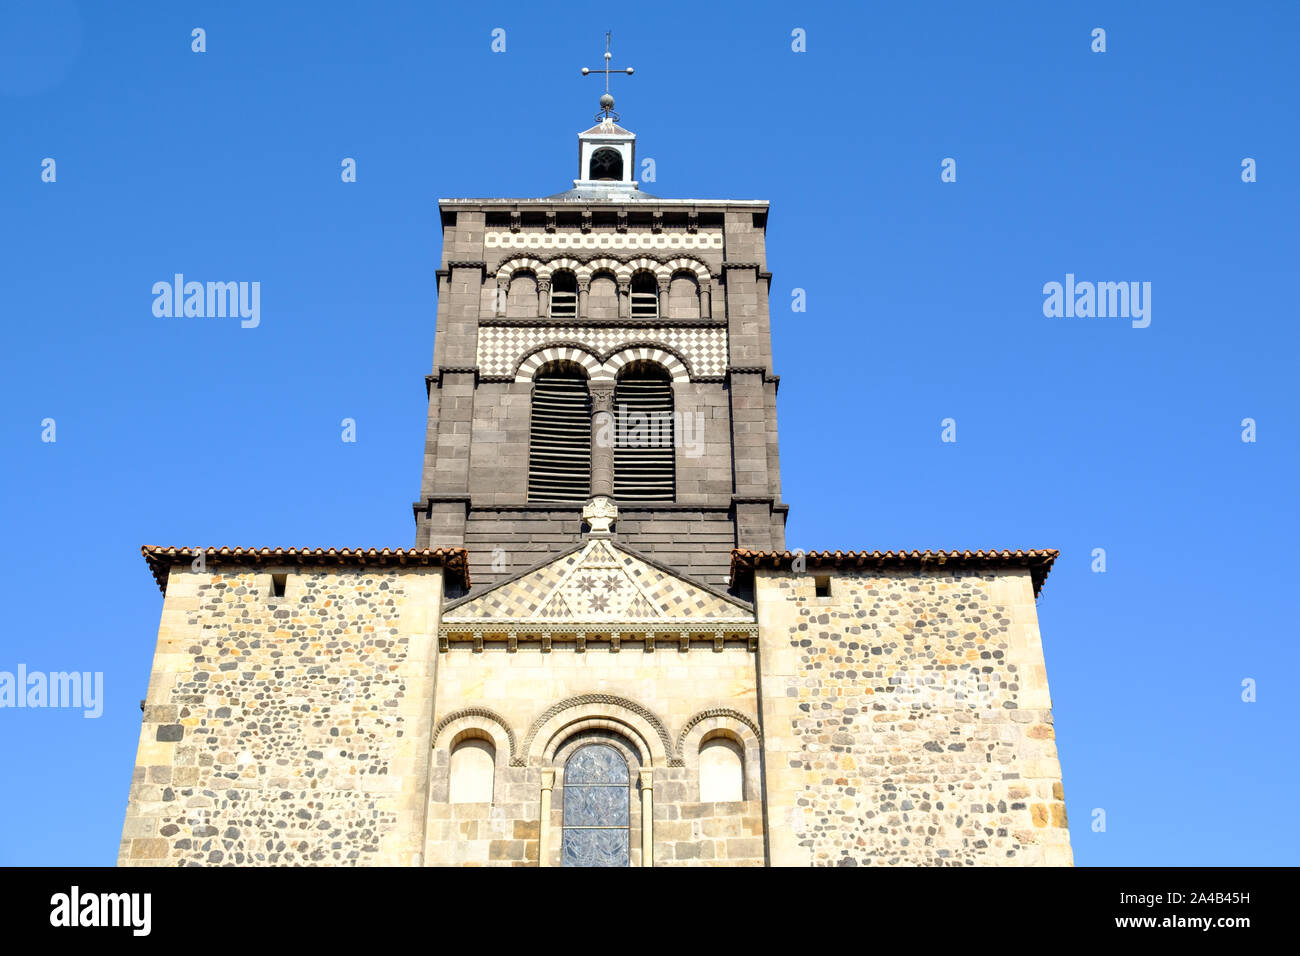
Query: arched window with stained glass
[597, 793]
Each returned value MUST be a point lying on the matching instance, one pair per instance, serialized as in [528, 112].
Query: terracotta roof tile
[1039, 563]
[454, 560]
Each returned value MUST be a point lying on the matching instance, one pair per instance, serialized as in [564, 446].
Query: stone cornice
[603, 636]
[623, 507]
[443, 370]
[768, 377]
[468, 264]
[540, 321]
[426, 506]
[546, 203]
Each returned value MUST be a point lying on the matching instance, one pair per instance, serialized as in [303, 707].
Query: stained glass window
[596, 808]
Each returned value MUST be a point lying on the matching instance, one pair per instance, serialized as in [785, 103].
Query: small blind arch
[683, 296]
[473, 771]
[722, 770]
[521, 296]
[602, 299]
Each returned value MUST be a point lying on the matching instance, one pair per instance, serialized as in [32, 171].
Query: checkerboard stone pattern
[600, 583]
[502, 347]
[579, 241]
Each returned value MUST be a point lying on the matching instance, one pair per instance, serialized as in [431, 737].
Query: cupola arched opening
[607, 165]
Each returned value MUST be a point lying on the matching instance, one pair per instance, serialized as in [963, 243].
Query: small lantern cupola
[606, 152]
[606, 157]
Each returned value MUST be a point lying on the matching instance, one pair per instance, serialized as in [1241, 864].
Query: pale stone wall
[309, 729]
[287, 730]
[658, 706]
[907, 720]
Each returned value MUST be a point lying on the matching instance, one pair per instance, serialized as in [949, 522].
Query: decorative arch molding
[653, 266]
[683, 264]
[489, 722]
[635, 742]
[542, 355]
[585, 711]
[617, 267]
[563, 265]
[604, 369]
[671, 360]
[732, 724]
[622, 269]
[522, 264]
[744, 729]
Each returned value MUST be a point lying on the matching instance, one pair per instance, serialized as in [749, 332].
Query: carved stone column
[543, 296]
[502, 297]
[706, 303]
[584, 286]
[544, 827]
[602, 439]
[647, 818]
[624, 297]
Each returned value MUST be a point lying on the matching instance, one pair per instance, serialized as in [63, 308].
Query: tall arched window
[643, 435]
[559, 441]
[645, 296]
[473, 769]
[597, 814]
[564, 295]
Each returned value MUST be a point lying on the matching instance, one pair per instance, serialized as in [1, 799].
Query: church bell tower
[599, 652]
[602, 353]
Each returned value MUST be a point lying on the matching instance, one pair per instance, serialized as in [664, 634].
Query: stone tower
[568, 319]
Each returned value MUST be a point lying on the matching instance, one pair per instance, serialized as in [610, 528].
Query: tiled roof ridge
[1039, 561]
[160, 558]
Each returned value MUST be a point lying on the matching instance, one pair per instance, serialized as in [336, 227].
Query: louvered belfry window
[645, 296]
[643, 448]
[559, 456]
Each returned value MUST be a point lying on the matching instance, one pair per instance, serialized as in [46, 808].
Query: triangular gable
[599, 583]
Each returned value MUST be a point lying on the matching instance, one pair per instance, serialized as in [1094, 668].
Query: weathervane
[606, 113]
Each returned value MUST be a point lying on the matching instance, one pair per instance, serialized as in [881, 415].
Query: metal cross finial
[607, 101]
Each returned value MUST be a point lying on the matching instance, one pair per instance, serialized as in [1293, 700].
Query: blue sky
[924, 303]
